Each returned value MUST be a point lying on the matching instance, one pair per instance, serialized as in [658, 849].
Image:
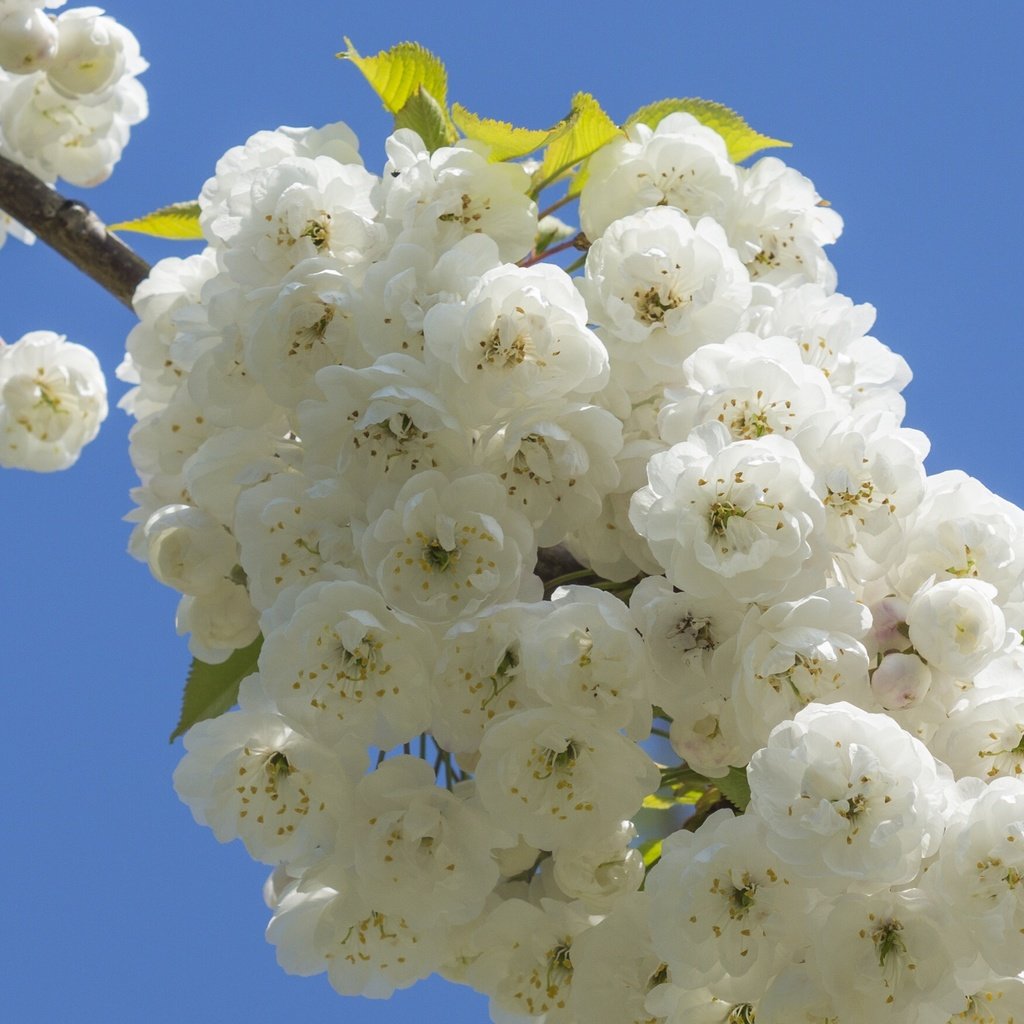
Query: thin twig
[556, 205]
[73, 230]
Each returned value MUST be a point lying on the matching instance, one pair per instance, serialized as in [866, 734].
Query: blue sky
[906, 115]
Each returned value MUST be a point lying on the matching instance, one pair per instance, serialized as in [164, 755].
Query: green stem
[570, 577]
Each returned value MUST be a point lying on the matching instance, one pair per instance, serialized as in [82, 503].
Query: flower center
[438, 557]
[651, 306]
[694, 634]
[720, 514]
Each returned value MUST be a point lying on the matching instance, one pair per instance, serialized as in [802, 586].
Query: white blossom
[779, 226]
[602, 874]
[53, 398]
[420, 852]
[457, 191]
[614, 966]
[332, 927]
[448, 547]
[340, 663]
[956, 626]
[732, 517]
[849, 797]
[979, 873]
[248, 775]
[726, 910]
[28, 40]
[660, 287]
[520, 336]
[478, 676]
[679, 163]
[888, 957]
[558, 777]
[585, 653]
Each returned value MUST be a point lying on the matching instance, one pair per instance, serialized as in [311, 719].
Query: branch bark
[73, 230]
[555, 562]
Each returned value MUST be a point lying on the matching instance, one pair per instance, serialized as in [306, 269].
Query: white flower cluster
[53, 398]
[365, 407]
[68, 93]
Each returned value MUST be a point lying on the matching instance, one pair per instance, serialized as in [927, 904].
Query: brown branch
[555, 562]
[73, 230]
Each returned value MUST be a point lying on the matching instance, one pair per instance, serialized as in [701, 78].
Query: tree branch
[73, 230]
[555, 562]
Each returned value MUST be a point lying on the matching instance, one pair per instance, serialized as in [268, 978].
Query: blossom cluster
[69, 94]
[68, 99]
[370, 409]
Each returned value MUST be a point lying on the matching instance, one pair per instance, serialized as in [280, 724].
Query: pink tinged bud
[888, 624]
[900, 681]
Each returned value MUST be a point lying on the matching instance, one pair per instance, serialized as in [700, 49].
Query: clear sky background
[116, 906]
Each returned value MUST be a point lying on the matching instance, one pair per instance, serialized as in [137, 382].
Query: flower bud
[900, 681]
[28, 41]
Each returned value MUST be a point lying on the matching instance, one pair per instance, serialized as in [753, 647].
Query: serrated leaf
[735, 788]
[505, 140]
[587, 129]
[688, 796]
[178, 221]
[423, 114]
[210, 690]
[741, 140]
[398, 74]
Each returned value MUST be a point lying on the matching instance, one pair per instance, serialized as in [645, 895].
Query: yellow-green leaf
[658, 803]
[213, 689]
[505, 140]
[587, 129]
[740, 139]
[396, 75]
[675, 796]
[179, 220]
[650, 850]
[424, 115]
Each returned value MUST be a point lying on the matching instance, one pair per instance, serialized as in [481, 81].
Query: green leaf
[658, 803]
[662, 801]
[399, 74]
[740, 139]
[505, 141]
[735, 788]
[650, 850]
[587, 129]
[179, 220]
[213, 689]
[423, 114]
